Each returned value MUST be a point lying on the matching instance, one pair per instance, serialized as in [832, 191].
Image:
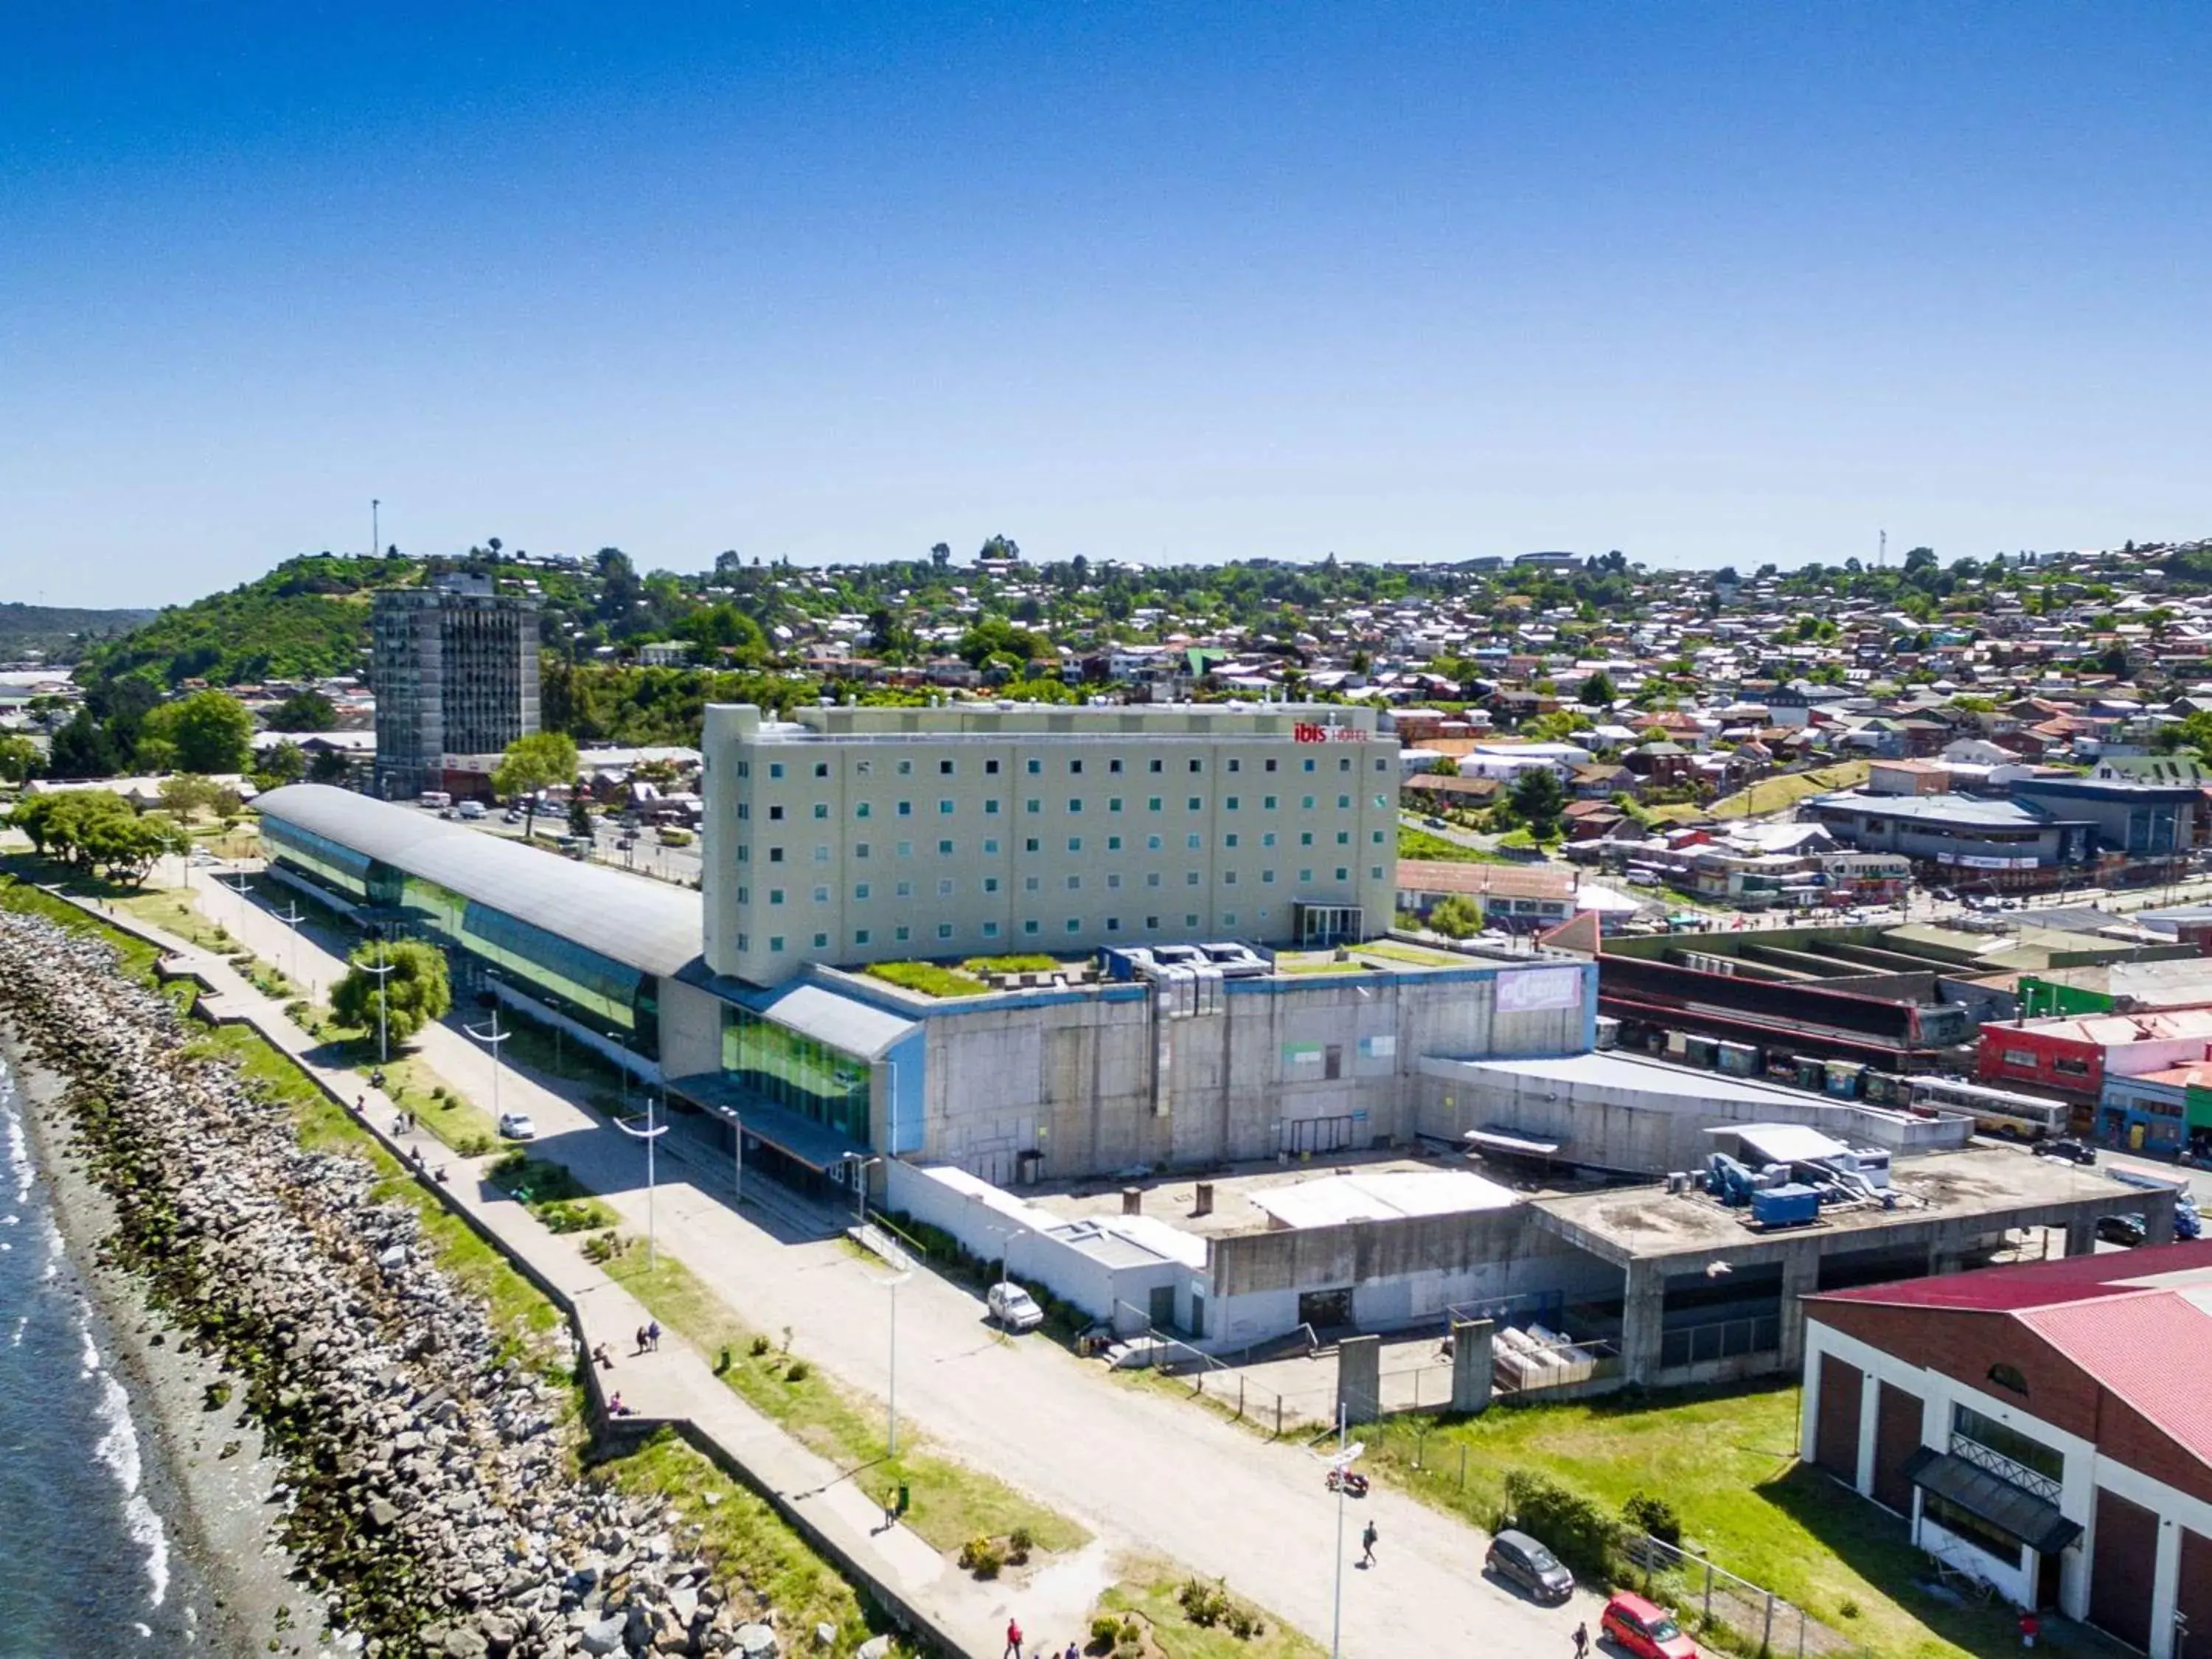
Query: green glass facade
[823, 1084]
[591, 989]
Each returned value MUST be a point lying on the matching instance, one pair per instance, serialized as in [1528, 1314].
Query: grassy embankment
[749, 1541]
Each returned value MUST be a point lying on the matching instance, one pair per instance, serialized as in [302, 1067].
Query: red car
[1636, 1626]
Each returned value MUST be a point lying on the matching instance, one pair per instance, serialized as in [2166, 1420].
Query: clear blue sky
[1705, 283]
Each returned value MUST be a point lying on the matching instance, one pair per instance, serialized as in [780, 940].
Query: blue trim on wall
[909, 1059]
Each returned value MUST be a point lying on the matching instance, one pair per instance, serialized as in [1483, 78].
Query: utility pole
[491, 1038]
[1881, 553]
[375, 534]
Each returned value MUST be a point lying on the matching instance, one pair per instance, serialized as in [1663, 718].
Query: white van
[472, 809]
[436, 799]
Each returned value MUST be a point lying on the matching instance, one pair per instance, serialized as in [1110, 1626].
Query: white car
[1014, 1308]
[517, 1126]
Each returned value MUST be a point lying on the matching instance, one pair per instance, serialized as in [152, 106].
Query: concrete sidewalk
[673, 1384]
[1142, 1470]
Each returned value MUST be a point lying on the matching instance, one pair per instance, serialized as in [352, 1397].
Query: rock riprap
[430, 1488]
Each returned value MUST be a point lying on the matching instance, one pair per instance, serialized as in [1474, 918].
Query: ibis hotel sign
[1307, 731]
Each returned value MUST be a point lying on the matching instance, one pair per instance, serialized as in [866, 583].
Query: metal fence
[1726, 1339]
[1699, 1588]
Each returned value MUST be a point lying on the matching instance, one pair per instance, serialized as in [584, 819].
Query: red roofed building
[2042, 1428]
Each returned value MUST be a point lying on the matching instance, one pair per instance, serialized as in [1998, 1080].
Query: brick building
[2039, 1427]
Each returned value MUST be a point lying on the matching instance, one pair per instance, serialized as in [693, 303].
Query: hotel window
[990, 884]
[1032, 804]
[1344, 838]
[822, 851]
[944, 930]
[1309, 765]
[1075, 924]
[776, 815]
[1114, 881]
[1075, 884]
[1113, 924]
[775, 941]
[860, 936]
[1075, 767]
[1305, 837]
[945, 889]
[1075, 804]
[1375, 836]
[1305, 803]
[821, 769]
[822, 941]
[744, 810]
[1114, 766]
[1379, 801]
[1190, 879]
[1378, 767]
[990, 769]
[1198, 766]
[1029, 845]
[1028, 928]
[900, 934]
[945, 809]
[822, 896]
[944, 768]
[1343, 874]
[1235, 765]
[1267, 878]
[1153, 843]
[1075, 843]
[1268, 802]
[744, 895]
[1112, 803]
[904, 890]
[862, 809]
[1230, 804]
[991, 928]
[1029, 884]
[1152, 802]
[1271, 766]
[744, 770]
[1152, 924]
[1228, 918]
[1035, 766]
[1154, 879]
[944, 849]
[860, 889]
[1374, 873]
[1305, 877]
[991, 807]
[1229, 878]
[775, 770]
[1153, 766]
[1195, 804]
[906, 808]
[745, 854]
[1230, 839]
[745, 943]
[991, 845]
[863, 769]
[1190, 921]
[1344, 802]
[1112, 843]
[906, 769]
[905, 849]
[859, 849]
[776, 855]
[1193, 842]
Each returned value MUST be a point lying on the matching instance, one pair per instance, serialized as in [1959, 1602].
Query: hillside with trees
[59, 634]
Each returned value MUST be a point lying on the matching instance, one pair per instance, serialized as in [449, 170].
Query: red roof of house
[2147, 1348]
[2032, 1284]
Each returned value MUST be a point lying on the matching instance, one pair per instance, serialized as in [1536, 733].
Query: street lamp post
[859, 1165]
[648, 1134]
[737, 1159]
[383, 1029]
[491, 1039]
[1340, 1464]
[291, 916]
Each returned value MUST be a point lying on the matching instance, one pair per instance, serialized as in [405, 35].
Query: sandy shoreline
[206, 1474]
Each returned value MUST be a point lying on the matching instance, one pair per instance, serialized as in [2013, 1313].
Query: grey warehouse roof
[639, 922]
[1941, 809]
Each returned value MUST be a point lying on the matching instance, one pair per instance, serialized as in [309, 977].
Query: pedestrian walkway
[672, 1384]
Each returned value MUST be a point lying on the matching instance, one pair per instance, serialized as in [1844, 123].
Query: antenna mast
[1881, 553]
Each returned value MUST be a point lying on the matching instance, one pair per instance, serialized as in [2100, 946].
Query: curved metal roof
[642, 923]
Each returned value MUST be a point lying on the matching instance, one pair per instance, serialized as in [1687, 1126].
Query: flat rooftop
[1260, 1197]
[1649, 1221]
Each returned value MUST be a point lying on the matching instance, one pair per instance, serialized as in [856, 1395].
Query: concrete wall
[1096, 1081]
[1401, 1272]
[1620, 1128]
[690, 1029]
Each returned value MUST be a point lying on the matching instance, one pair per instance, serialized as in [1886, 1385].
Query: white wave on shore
[118, 1448]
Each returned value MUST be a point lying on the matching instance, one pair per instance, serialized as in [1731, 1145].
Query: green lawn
[1772, 794]
[1728, 1464]
[1420, 955]
[927, 978]
[1420, 844]
[950, 1503]
[1323, 962]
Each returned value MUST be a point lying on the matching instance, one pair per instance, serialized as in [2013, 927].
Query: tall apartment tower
[454, 668]
[850, 835]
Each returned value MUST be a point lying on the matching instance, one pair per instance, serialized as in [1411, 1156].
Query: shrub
[475, 1146]
[1575, 1527]
[982, 1557]
[1020, 1543]
[1654, 1515]
[604, 1247]
[760, 1345]
[1105, 1630]
[439, 1092]
[1203, 1603]
[1848, 1607]
[799, 1370]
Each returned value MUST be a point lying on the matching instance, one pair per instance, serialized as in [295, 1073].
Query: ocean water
[86, 1556]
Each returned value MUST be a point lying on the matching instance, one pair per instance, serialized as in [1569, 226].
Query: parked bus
[1995, 1111]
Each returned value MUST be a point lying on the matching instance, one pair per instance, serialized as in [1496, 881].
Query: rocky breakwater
[430, 1489]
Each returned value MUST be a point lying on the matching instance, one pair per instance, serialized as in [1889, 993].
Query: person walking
[1367, 1537]
[1013, 1641]
[653, 1335]
[641, 1339]
[1581, 1640]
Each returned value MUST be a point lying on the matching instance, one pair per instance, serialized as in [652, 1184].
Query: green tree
[285, 763]
[19, 758]
[531, 764]
[997, 635]
[303, 711]
[188, 793]
[413, 994]
[1597, 691]
[211, 730]
[1456, 916]
[579, 816]
[1539, 797]
[328, 766]
[123, 846]
[83, 748]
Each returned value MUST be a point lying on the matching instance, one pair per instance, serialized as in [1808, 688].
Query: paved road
[1142, 1470]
